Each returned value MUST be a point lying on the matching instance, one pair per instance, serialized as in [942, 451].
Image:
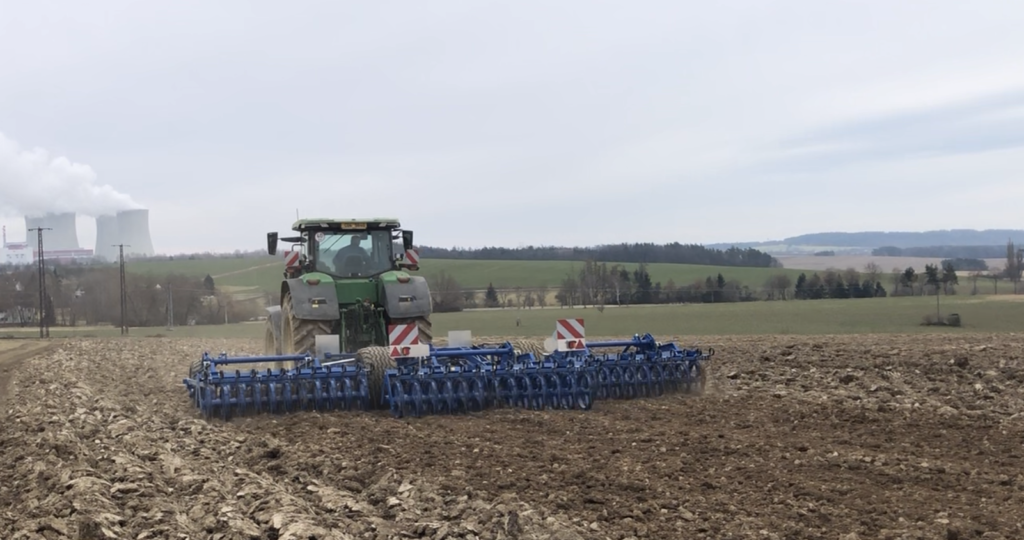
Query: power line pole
[124, 292]
[44, 329]
[170, 308]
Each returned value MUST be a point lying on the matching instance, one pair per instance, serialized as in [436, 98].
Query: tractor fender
[315, 302]
[410, 299]
[274, 315]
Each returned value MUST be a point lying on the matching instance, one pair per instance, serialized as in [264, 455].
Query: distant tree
[542, 296]
[949, 278]
[1014, 264]
[644, 287]
[816, 287]
[208, 283]
[800, 289]
[447, 293]
[897, 279]
[872, 271]
[491, 296]
[839, 290]
[909, 279]
[670, 292]
[932, 278]
[778, 286]
[568, 293]
[966, 264]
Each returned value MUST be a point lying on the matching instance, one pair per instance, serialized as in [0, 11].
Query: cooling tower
[133, 230]
[106, 238]
[63, 233]
[35, 223]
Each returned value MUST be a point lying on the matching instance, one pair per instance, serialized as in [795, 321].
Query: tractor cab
[346, 248]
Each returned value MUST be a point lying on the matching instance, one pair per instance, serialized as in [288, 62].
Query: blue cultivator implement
[646, 368]
[307, 385]
[447, 380]
[462, 379]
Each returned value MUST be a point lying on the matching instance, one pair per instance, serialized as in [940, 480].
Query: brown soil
[835, 437]
[12, 354]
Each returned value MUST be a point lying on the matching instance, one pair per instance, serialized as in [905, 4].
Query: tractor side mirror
[272, 243]
[407, 239]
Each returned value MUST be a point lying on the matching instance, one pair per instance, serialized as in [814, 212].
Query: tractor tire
[271, 346]
[425, 327]
[298, 336]
[377, 360]
[523, 346]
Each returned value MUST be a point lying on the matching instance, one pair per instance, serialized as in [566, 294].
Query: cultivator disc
[307, 386]
[646, 368]
[454, 380]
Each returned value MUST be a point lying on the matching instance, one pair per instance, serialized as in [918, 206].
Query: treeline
[946, 252]
[90, 295]
[966, 265]
[619, 253]
[596, 284]
[601, 284]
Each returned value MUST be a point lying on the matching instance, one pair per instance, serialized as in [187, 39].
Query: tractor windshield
[353, 254]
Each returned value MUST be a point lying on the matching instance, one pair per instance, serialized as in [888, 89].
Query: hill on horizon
[868, 240]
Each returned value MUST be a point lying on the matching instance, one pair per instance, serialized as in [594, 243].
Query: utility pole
[170, 308]
[124, 293]
[44, 329]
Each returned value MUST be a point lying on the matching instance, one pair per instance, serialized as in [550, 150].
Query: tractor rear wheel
[270, 345]
[378, 361]
[298, 336]
[425, 327]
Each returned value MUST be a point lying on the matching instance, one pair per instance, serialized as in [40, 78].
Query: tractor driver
[352, 258]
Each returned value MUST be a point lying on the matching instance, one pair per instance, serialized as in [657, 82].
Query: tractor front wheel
[298, 336]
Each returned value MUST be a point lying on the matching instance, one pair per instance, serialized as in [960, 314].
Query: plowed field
[833, 437]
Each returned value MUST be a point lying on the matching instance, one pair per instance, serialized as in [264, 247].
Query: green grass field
[265, 272]
[885, 315]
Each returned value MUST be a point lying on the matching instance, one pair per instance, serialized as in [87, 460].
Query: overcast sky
[477, 123]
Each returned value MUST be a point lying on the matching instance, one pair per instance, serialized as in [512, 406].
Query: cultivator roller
[468, 378]
[218, 390]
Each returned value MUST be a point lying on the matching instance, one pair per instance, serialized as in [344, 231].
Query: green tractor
[345, 281]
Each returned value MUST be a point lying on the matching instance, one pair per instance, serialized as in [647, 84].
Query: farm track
[835, 437]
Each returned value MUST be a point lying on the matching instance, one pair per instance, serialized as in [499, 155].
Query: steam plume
[32, 184]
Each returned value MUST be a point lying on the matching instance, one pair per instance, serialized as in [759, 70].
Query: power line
[44, 329]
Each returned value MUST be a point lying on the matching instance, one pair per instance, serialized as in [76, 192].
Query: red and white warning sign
[404, 341]
[570, 335]
[291, 258]
[412, 256]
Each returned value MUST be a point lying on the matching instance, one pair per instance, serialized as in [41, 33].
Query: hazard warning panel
[291, 258]
[570, 335]
[404, 342]
[412, 257]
